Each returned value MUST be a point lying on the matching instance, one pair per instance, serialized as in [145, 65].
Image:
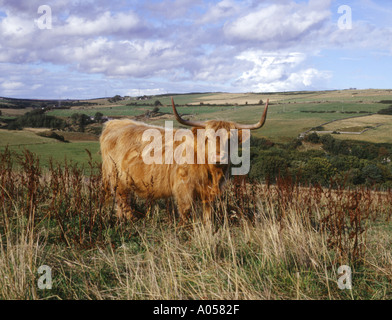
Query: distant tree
[115, 99]
[294, 144]
[355, 177]
[37, 118]
[98, 117]
[319, 170]
[261, 143]
[81, 120]
[365, 151]
[268, 167]
[157, 103]
[327, 141]
[344, 163]
[313, 138]
[334, 146]
[372, 174]
[14, 126]
[386, 111]
[359, 152]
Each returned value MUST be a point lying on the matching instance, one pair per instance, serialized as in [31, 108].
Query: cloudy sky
[86, 49]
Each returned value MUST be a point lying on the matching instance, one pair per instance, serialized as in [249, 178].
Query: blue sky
[103, 48]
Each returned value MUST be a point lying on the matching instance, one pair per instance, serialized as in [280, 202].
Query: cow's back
[122, 162]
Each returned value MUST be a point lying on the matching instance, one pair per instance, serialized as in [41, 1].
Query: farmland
[48, 148]
[310, 205]
[289, 114]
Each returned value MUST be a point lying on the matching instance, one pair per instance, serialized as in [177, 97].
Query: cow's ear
[243, 135]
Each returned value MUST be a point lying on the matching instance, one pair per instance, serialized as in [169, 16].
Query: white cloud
[105, 24]
[279, 25]
[279, 72]
[11, 85]
[221, 10]
[176, 45]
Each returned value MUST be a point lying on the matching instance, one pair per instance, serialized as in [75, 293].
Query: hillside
[290, 115]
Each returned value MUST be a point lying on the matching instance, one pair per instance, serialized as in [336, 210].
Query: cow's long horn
[200, 124]
[257, 125]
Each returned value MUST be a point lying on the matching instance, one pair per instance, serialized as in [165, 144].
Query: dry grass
[278, 241]
[9, 112]
[379, 134]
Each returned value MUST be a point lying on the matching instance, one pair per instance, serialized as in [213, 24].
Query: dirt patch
[36, 130]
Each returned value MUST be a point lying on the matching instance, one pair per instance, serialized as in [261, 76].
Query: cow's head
[222, 129]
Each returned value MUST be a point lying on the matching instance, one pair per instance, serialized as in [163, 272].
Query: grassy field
[49, 148]
[268, 242]
[381, 128]
[130, 111]
[290, 113]
[279, 241]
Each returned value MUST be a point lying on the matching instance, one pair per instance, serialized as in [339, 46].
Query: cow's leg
[207, 212]
[184, 209]
[184, 200]
[124, 209]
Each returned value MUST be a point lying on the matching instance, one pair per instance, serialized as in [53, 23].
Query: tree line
[38, 118]
[351, 162]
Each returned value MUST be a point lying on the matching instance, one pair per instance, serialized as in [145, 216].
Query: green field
[130, 111]
[290, 114]
[49, 148]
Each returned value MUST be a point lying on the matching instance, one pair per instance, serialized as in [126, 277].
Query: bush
[387, 111]
[37, 119]
[294, 144]
[312, 138]
[261, 143]
[319, 170]
[81, 120]
[98, 117]
[344, 163]
[115, 99]
[52, 135]
[268, 167]
[330, 144]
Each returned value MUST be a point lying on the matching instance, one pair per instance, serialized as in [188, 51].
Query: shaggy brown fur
[124, 170]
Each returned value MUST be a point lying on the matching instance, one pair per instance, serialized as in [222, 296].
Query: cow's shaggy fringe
[280, 241]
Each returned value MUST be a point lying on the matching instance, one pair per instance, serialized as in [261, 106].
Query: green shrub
[387, 111]
[312, 138]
